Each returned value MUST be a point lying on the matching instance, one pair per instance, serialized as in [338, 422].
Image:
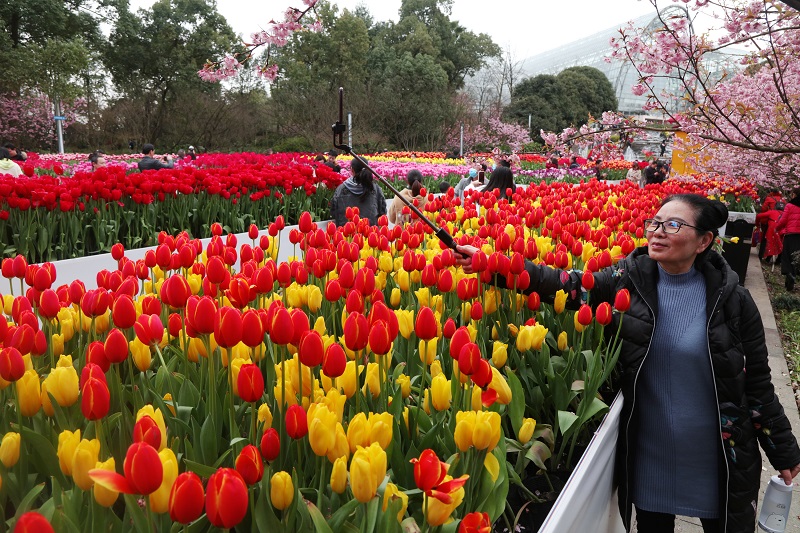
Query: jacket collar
[721, 280]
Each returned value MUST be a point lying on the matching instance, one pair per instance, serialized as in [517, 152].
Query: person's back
[148, 162]
[358, 191]
[7, 166]
[413, 194]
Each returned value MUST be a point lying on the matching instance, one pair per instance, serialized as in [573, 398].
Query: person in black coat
[698, 395]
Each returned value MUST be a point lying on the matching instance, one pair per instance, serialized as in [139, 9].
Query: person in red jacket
[772, 241]
[789, 227]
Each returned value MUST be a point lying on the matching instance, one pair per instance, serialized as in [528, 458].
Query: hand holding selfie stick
[338, 142]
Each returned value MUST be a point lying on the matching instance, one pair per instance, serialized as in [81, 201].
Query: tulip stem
[358, 356]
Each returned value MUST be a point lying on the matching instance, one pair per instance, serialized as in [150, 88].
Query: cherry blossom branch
[277, 35]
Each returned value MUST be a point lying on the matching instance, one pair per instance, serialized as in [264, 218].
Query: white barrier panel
[588, 501]
[86, 268]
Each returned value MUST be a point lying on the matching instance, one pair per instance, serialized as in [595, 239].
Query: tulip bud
[95, 399]
[227, 498]
[159, 499]
[270, 445]
[84, 459]
[339, 475]
[250, 383]
[12, 366]
[426, 325]
[67, 443]
[32, 522]
[146, 430]
[296, 422]
[103, 496]
[9, 449]
[475, 522]
[526, 430]
[604, 314]
[249, 464]
[584, 315]
[622, 301]
[281, 490]
[186, 498]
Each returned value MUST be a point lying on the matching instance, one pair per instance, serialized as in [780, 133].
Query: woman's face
[676, 252]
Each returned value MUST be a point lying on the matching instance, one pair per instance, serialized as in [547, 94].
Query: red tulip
[146, 430]
[12, 366]
[149, 329]
[333, 290]
[216, 272]
[174, 324]
[228, 327]
[201, 314]
[300, 325]
[459, 339]
[123, 312]
[305, 223]
[429, 471]
[469, 358]
[587, 280]
[143, 468]
[252, 328]
[622, 301]
[92, 371]
[356, 332]
[281, 328]
[311, 349]
[227, 498]
[186, 498]
[116, 346]
[250, 383]
[32, 522]
[585, 315]
[175, 291]
[476, 313]
[249, 464]
[96, 354]
[270, 445]
[95, 399]
[334, 361]
[151, 306]
[296, 422]
[603, 314]
[475, 522]
[426, 325]
[482, 374]
[380, 341]
[49, 305]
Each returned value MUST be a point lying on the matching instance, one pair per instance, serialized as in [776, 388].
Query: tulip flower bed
[364, 384]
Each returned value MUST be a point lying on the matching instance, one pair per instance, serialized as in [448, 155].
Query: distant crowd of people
[779, 227]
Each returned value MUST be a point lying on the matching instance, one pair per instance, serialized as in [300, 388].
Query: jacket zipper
[628, 502]
[719, 416]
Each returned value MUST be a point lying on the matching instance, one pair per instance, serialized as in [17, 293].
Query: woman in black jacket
[695, 378]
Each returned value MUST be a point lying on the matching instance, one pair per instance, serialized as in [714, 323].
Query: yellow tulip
[372, 381]
[158, 418]
[390, 493]
[281, 490]
[491, 298]
[404, 383]
[539, 332]
[102, 495]
[84, 459]
[57, 342]
[9, 449]
[367, 470]
[159, 500]
[578, 326]
[479, 429]
[473, 332]
[347, 381]
[562, 341]
[321, 429]
[405, 320]
[394, 298]
[465, 426]
[62, 383]
[526, 430]
[341, 449]
[477, 401]
[427, 351]
[335, 401]
[385, 262]
[560, 301]
[499, 354]
[438, 512]
[195, 283]
[339, 475]
[293, 296]
[403, 280]
[423, 296]
[380, 429]
[8, 302]
[441, 393]
[524, 338]
[67, 442]
[169, 403]
[319, 327]
[140, 352]
[492, 465]
[500, 385]
[358, 432]
[29, 391]
[264, 416]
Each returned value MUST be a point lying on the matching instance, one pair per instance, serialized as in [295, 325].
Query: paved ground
[755, 283]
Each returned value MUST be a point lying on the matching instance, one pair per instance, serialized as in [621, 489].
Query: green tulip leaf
[516, 409]
[320, 524]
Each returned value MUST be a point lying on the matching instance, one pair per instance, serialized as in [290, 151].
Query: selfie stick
[338, 142]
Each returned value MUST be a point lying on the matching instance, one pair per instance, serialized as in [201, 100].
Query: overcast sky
[527, 27]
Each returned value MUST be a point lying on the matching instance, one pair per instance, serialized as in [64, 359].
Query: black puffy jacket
[750, 413]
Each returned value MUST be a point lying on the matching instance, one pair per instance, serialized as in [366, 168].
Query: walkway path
[783, 387]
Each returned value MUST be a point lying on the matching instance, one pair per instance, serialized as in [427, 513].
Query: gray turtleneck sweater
[677, 449]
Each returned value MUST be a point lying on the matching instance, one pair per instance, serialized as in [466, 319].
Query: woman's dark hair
[319, 157]
[4, 153]
[444, 186]
[502, 178]
[710, 216]
[362, 176]
[416, 188]
[413, 175]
